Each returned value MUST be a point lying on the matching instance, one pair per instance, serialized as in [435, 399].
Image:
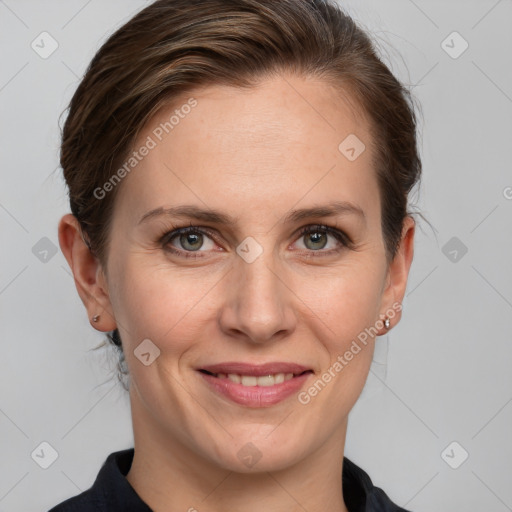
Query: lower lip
[255, 396]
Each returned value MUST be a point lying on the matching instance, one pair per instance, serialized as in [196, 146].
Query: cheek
[346, 304]
[159, 302]
[345, 300]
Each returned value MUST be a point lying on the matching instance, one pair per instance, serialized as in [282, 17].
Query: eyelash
[340, 236]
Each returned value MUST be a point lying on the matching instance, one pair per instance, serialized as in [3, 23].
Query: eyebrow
[331, 209]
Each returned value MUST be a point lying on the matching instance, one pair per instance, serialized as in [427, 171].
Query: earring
[387, 323]
[95, 318]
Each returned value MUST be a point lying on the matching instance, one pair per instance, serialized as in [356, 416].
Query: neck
[167, 475]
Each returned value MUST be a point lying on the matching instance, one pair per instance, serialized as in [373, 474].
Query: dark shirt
[111, 491]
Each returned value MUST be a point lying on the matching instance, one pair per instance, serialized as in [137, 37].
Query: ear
[398, 272]
[89, 276]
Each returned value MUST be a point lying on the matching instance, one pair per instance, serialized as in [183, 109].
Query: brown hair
[173, 46]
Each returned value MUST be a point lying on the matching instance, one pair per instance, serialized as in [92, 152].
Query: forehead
[285, 112]
[280, 142]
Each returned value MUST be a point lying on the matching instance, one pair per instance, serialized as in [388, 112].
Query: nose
[259, 303]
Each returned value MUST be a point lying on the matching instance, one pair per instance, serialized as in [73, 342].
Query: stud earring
[95, 318]
[387, 323]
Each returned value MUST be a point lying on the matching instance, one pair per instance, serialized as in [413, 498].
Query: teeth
[251, 380]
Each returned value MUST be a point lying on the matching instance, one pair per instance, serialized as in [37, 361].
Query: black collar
[111, 491]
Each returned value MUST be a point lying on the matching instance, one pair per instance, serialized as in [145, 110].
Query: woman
[239, 173]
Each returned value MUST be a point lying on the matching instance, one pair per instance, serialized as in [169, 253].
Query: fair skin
[254, 155]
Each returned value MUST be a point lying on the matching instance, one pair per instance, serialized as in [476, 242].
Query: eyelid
[332, 230]
[343, 239]
[176, 231]
[338, 234]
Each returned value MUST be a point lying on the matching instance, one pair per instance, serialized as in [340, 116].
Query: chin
[264, 451]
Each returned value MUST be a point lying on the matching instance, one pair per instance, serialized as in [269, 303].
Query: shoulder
[80, 503]
[359, 493]
[110, 491]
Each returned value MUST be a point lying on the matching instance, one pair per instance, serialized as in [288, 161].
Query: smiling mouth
[271, 379]
[255, 385]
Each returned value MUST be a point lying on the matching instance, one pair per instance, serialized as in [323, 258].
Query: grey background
[442, 375]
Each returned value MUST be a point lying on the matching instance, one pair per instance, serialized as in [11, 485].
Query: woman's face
[245, 287]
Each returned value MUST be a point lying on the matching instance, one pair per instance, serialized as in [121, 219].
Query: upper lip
[256, 370]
